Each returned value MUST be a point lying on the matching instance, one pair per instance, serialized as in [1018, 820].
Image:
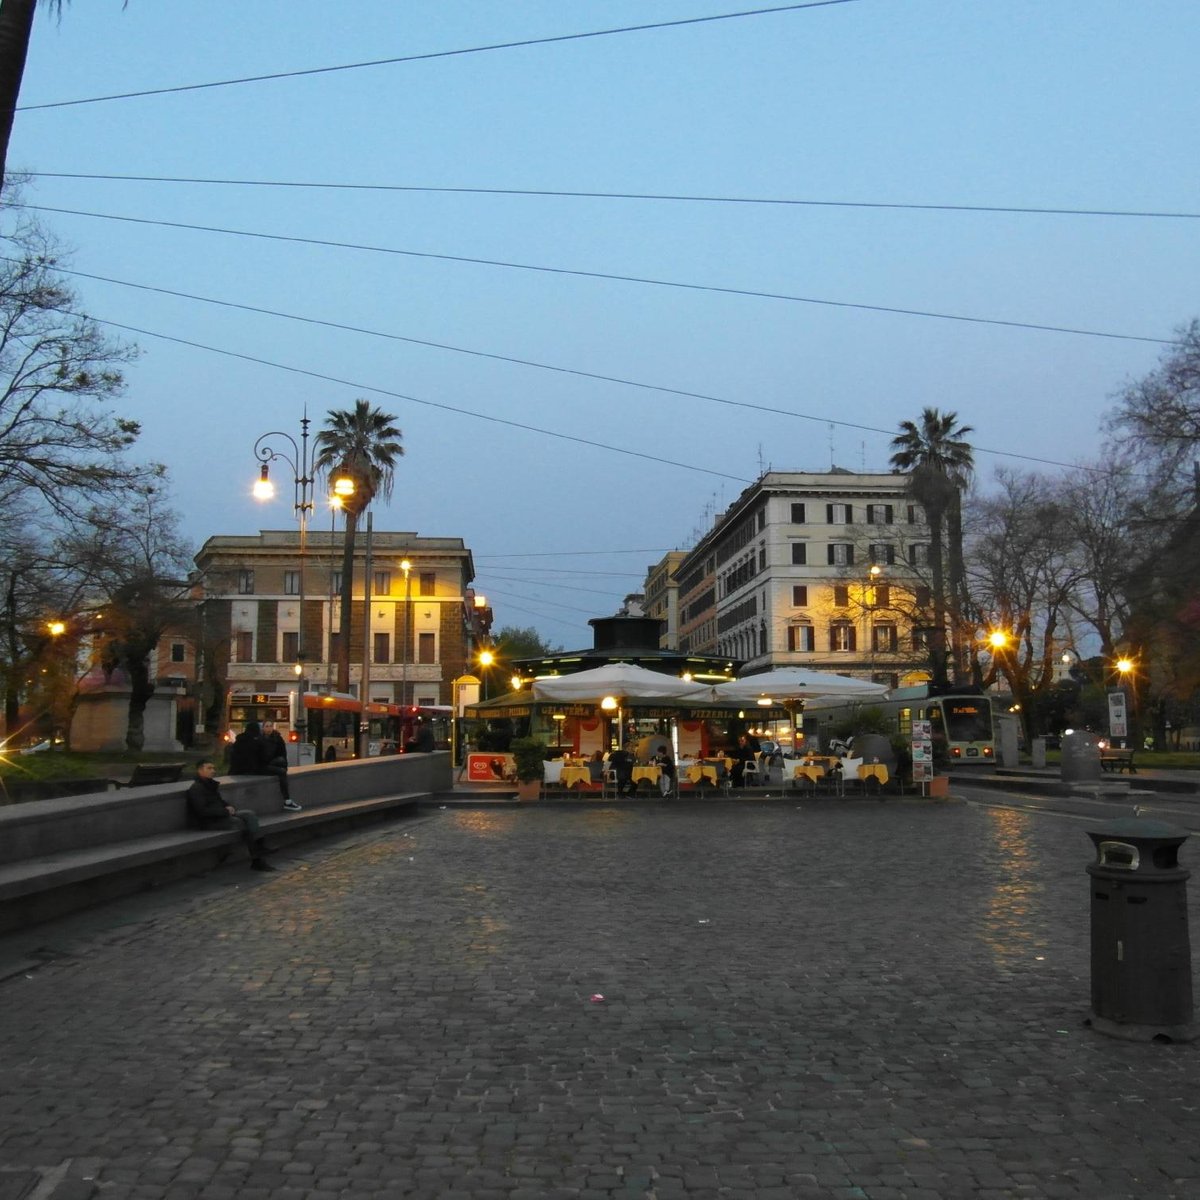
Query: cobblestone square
[859, 1001]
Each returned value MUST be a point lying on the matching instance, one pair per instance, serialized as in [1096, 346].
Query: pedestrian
[248, 756]
[209, 811]
[275, 761]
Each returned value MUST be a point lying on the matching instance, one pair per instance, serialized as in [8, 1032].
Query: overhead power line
[434, 54]
[611, 277]
[524, 362]
[367, 387]
[559, 194]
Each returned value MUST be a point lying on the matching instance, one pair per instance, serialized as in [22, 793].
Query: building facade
[271, 617]
[662, 596]
[825, 570]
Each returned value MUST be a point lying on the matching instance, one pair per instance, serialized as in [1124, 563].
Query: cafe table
[651, 773]
[575, 774]
[701, 771]
[814, 772]
[873, 771]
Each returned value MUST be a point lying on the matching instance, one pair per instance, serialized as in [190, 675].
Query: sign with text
[1118, 725]
[490, 768]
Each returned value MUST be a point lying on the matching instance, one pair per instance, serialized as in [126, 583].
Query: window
[799, 553]
[922, 596]
[841, 554]
[879, 514]
[243, 650]
[245, 582]
[380, 648]
[383, 583]
[762, 558]
[841, 637]
[178, 652]
[841, 595]
[879, 596]
[800, 595]
[838, 514]
[797, 514]
[427, 583]
[881, 552]
[916, 515]
[291, 583]
[426, 648]
[883, 639]
[921, 639]
[800, 638]
[335, 583]
[918, 554]
[335, 646]
[291, 647]
[762, 519]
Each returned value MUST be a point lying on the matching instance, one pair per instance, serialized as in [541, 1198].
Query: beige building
[266, 613]
[825, 570]
[662, 597]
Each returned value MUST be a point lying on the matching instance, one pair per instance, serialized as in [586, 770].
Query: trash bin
[1080, 756]
[1141, 954]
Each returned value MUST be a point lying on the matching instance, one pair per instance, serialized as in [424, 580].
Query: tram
[963, 723]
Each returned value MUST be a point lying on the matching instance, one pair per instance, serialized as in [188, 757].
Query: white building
[825, 570]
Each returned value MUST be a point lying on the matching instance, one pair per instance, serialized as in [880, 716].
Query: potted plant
[528, 755]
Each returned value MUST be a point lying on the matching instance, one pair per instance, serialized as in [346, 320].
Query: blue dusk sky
[584, 380]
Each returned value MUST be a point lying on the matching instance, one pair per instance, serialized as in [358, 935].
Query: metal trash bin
[1080, 756]
[1141, 953]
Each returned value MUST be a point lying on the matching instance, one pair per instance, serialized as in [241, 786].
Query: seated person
[208, 810]
[595, 766]
[251, 755]
[620, 762]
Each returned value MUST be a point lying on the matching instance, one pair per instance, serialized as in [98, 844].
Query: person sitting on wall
[248, 756]
[209, 811]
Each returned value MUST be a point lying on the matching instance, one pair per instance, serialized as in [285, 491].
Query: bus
[333, 720]
[964, 724]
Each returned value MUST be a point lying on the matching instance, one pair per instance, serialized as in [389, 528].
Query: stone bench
[60, 855]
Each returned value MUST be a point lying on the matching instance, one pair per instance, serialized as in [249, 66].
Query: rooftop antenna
[762, 466]
[831, 445]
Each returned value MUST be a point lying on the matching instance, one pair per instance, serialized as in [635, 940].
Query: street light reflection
[1008, 925]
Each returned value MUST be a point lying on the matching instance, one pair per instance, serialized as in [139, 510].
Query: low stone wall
[40, 828]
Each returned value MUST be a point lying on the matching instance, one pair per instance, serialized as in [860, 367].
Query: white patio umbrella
[792, 683]
[620, 681]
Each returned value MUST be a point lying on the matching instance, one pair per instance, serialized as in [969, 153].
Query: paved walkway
[861, 1002]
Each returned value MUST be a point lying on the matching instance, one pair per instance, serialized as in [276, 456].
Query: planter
[528, 789]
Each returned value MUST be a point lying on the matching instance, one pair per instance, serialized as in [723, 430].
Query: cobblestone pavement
[871, 1001]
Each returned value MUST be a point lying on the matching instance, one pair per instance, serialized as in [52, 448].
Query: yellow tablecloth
[873, 771]
[825, 761]
[649, 773]
[572, 775]
[813, 771]
[702, 771]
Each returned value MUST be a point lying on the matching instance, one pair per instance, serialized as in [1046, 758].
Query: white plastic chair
[551, 775]
[850, 773]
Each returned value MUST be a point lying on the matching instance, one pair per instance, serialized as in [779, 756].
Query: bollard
[1080, 756]
[1141, 953]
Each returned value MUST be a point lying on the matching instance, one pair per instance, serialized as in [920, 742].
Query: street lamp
[487, 659]
[406, 567]
[300, 460]
[870, 597]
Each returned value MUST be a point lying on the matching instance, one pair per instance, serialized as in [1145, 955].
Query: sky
[583, 381]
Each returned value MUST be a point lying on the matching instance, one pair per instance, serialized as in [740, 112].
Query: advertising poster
[490, 768]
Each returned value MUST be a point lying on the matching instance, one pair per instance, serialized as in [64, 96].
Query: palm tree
[941, 463]
[363, 444]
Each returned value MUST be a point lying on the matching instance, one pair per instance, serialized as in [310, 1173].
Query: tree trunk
[16, 24]
[347, 598]
[956, 589]
[141, 689]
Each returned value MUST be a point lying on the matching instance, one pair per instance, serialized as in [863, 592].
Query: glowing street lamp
[300, 460]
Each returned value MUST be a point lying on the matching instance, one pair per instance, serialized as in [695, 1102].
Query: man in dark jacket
[209, 811]
[248, 756]
[275, 761]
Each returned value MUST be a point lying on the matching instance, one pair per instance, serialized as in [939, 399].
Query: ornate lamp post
[406, 567]
[300, 460]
